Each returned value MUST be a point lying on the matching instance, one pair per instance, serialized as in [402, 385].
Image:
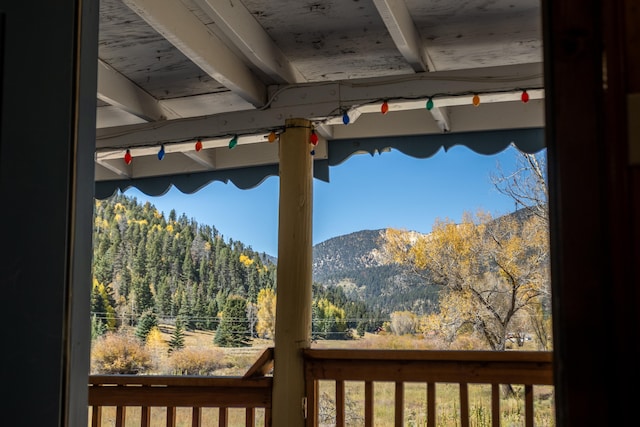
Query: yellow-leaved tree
[492, 272]
[266, 325]
[157, 346]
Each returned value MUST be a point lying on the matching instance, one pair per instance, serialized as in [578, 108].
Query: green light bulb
[429, 104]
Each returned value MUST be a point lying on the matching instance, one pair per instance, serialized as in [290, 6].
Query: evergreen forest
[149, 269]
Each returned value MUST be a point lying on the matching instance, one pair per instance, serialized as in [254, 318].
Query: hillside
[353, 263]
[146, 264]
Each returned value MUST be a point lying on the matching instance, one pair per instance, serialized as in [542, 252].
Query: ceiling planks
[187, 33]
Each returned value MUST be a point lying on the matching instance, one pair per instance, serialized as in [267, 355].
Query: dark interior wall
[592, 216]
[46, 192]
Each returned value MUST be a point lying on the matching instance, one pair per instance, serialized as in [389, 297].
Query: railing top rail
[431, 355]
[262, 366]
[533, 368]
[179, 380]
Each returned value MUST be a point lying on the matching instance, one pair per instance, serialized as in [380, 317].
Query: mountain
[353, 262]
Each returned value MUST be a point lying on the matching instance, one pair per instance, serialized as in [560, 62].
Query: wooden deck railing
[401, 367]
[251, 392]
[340, 372]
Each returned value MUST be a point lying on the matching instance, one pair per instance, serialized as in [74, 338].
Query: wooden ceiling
[172, 72]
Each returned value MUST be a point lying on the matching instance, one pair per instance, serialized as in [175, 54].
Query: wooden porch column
[293, 305]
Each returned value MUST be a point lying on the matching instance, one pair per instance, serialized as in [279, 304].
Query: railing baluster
[368, 403]
[196, 416]
[145, 416]
[96, 416]
[431, 405]
[250, 417]
[339, 403]
[223, 413]
[495, 405]
[528, 405]
[313, 391]
[464, 405]
[399, 398]
[171, 416]
[267, 417]
[121, 414]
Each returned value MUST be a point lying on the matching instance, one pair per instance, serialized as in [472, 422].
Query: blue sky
[364, 193]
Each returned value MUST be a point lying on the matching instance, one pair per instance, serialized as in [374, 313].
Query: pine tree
[163, 298]
[147, 321]
[102, 305]
[234, 326]
[143, 296]
[98, 328]
[177, 337]
[97, 302]
[186, 312]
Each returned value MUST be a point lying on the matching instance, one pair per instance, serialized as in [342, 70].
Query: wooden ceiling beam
[118, 91]
[242, 29]
[404, 33]
[187, 33]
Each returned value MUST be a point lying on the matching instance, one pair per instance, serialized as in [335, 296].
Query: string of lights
[273, 134]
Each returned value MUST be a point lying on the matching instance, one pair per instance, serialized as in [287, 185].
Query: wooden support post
[293, 304]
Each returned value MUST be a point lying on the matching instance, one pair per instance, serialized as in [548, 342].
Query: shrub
[468, 342]
[194, 361]
[119, 354]
[403, 322]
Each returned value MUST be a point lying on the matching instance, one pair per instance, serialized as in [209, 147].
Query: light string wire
[335, 113]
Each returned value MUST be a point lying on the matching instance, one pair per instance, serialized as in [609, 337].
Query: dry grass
[234, 361]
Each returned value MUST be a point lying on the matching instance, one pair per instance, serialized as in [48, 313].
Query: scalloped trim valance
[529, 140]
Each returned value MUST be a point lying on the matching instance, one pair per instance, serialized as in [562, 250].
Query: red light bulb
[127, 157]
[198, 145]
[384, 108]
[313, 138]
[525, 96]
